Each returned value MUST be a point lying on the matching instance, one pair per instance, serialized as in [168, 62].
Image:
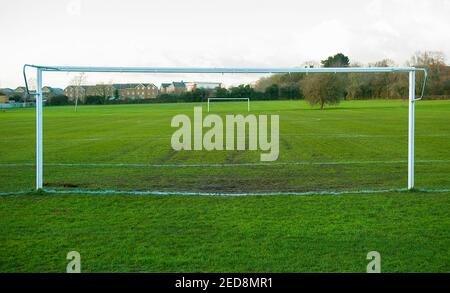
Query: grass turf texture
[226, 234]
[357, 145]
[366, 142]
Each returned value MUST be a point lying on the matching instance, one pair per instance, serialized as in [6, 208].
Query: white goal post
[40, 69]
[231, 99]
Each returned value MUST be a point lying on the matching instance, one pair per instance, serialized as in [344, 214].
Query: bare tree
[101, 90]
[434, 62]
[78, 81]
[32, 85]
[384, 83]
[427, 59]
[323, 89]
[383, 63]
[310, 64]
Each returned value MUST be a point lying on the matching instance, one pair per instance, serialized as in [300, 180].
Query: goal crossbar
[222, 69]
[237, 70]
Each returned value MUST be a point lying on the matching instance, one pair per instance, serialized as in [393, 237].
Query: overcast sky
[214, 33]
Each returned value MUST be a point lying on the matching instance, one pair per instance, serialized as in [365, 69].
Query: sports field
[355, 154]
[358, 145]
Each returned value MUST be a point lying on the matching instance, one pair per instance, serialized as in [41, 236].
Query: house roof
[54, 90]
[207, 85]
[164, 85]
[7, 91]
[81, 86]
[130, 85]
[179, 84]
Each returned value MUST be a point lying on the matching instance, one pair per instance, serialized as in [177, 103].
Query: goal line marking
[224, 194]
[218, 164]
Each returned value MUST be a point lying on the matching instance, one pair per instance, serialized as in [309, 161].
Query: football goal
[137, 138]
[230, 99]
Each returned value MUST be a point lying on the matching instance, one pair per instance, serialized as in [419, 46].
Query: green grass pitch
[356, 146]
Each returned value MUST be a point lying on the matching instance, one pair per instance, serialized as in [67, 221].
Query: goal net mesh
[124, 143]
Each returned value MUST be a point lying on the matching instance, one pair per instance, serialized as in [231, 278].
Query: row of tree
[317, 89]
[273, 92]
[321, 89]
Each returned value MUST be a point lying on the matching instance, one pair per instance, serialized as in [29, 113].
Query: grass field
[357, 146]
[208, 234]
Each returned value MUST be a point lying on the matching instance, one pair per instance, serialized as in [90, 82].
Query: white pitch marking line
[218, 164]
[219, 194]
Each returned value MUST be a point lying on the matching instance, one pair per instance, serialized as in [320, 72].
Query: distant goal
[230, 99]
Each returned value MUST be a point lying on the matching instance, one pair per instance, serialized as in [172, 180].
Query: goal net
[150, 131]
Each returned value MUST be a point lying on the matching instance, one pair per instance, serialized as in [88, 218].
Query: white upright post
[39, 150]
[412, 89]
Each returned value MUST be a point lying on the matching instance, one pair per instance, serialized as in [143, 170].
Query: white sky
[212, 33]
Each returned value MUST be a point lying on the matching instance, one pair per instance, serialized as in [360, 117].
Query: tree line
[330, 88]
[317, 89]
[197, 95]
